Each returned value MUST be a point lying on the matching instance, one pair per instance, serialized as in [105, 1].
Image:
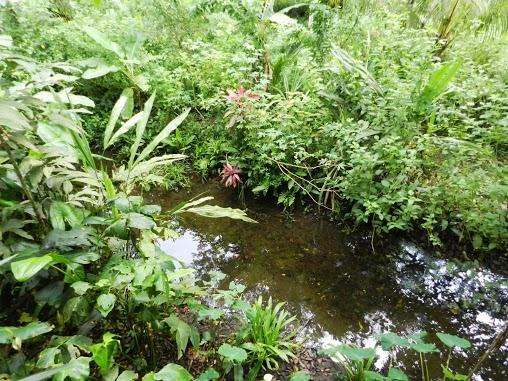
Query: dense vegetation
[391, 113]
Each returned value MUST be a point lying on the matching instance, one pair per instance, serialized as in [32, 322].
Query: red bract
[231, 175]
[238, 96]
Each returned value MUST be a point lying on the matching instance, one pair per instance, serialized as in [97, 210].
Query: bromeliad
[231, 175]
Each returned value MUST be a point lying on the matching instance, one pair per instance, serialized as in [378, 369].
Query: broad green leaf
[12, 118]
[150, 209]
[161, 136]
[182, 332]
[438, 81]
[140, 221]
[234, 354]
[81, 287]
[47, 358]
[66, 97]
[9, 334]
[209, 375]
[390, 339]
[25, 269]
[424, 347]
[118, 108]
[99, 71]
[355, 354]
[127, 375]
[102, 353]
[141, 82]
[215, 211]
[103, 41]
[173, 372]
[106, 303]
[60, 212]
[65, 240]
[453, 341]
[76, 369]
[396, 374]
[210, 313]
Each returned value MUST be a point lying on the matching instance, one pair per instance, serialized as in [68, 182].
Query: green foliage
[266, 337]
[358, 361]
[82, 253]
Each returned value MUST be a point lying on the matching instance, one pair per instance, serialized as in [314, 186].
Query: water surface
[340, 289]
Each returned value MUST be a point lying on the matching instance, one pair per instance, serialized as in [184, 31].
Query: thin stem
[24, 186]
[422, 367]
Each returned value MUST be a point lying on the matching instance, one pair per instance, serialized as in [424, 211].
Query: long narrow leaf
[125, 128]
[140, 129]
[115, 114]
[162, 135]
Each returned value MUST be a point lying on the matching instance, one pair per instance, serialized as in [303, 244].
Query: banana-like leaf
[64, 96]
[99, 71]
[103, 41]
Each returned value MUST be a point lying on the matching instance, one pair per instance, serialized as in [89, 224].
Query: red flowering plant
[231, 175]
[239, 98]
[239, 95]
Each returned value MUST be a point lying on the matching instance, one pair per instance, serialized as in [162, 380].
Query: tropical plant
[358, 362]
[265, 336]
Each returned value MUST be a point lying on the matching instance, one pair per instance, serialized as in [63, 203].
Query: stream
[338, 287]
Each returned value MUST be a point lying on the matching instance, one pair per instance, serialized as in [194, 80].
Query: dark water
[339, 288]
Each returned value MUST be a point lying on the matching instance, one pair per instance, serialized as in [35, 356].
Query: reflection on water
[340, 289]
